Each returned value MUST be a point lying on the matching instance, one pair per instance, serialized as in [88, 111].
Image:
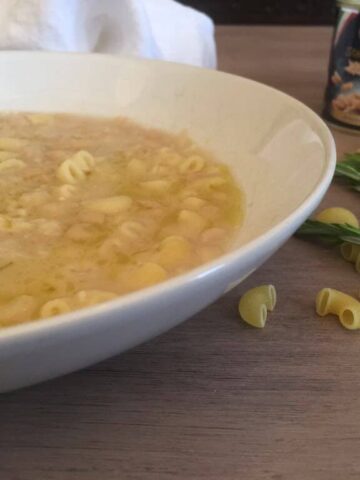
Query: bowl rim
[89, 315]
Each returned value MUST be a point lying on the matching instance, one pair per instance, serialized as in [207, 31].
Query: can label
[342, 97]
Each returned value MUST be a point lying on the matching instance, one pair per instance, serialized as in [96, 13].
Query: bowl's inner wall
[274, 149]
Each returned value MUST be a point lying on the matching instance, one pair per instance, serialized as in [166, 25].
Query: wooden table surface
[213, 398]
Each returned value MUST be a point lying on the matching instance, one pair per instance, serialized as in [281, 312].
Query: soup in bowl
[134, 193]
[93, 208]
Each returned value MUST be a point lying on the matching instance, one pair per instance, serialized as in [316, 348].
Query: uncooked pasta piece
[337, 215]
[255, 304]
[345, 307]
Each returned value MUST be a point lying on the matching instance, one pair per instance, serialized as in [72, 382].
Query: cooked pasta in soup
[94, 208]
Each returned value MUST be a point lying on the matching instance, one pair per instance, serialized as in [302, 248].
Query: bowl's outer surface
[281, 152]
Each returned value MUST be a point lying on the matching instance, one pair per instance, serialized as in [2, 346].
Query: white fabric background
[161, 29]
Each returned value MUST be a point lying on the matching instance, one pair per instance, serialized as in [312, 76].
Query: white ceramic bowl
[281, 152]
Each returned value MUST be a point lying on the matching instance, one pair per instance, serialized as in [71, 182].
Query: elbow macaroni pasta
[174, 252]
[58, 306]
[76, 168]
[255, 303]
[145, 275]
[337, 215]
[350, 252]
[193, 203]
[191, 222]
[347, 308]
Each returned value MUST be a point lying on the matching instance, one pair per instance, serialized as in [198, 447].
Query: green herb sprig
[349, 170]
[330, 233]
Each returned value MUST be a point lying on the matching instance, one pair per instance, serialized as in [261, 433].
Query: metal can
[342, 96]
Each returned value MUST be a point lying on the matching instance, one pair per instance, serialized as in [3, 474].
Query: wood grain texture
[215, 399]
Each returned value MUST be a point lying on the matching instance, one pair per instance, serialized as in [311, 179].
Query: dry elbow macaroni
[91, 209]
[351, 253]
[255, 303]
[347, 308]
[337, 215]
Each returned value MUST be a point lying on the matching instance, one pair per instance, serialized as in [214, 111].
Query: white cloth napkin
[161, 29]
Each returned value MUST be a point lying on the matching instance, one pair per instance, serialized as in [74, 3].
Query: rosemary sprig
[349, 170]
[330, 233]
